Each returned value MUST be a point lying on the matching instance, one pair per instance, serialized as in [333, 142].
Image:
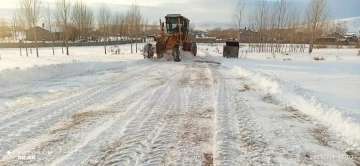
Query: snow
[328, 90]
[18, 72]
[94, 109]
[11, 57]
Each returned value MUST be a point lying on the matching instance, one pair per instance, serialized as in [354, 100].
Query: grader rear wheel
[148, 51]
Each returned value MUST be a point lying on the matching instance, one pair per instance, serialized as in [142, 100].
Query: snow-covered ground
[11, 57]
[96, 109]
[21, 72]
[328, 89]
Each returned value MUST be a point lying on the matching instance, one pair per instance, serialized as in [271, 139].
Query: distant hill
[203, 26]
[353, 24]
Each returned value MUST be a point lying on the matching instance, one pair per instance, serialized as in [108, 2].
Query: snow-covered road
[165, 113]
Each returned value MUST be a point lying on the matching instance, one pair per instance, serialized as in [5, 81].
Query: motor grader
[176, 36]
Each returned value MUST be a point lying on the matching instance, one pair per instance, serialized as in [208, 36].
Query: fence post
[20, 43]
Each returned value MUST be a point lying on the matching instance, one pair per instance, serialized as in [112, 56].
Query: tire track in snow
[126, 115]
[14, 132]
[156, 151]
[66, 97]
[252, 139]
[127, 149]
[193, 133]
[227, 149]
[164, 143]
[129, 99]
[140, 130]
[252, 143]
[103, 131]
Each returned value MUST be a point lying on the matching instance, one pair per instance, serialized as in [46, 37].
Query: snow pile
[295, 96]
[16, 76]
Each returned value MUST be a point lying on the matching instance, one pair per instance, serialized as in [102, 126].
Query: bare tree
[63, 15]
[3, 24]
[16, 25]
[250, 29]
[14, 22]
[82, 18]
[88, 24]
[122, 29]
[261, 16]
[239, 15]
[22, 24]
[154, 28]
[59, 29]
[145, 26]
[104, 22]
[281, 14]
[294, 26]
[49, 21]
[339, 27]
[115, 26]
[134, 19]
[317, 14]
[31, 12]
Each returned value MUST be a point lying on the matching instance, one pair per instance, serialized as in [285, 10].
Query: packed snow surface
[89, 108]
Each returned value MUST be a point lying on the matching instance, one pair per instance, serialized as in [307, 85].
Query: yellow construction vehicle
[176, 36]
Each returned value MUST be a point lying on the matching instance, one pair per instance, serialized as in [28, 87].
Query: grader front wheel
[176, 53]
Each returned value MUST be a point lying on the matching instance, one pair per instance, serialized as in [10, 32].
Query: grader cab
[174, 35]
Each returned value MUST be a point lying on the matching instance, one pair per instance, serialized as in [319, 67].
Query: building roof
[37, 28]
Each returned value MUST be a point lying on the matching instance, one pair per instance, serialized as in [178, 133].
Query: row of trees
[281, 22]
[75, 18]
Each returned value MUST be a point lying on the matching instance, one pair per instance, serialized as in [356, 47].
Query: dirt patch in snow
[270, 99]
[295, 114]
[305, 158]
[200, 77]
[81, 118]
[208, 160]
[192, 130]
[204, 61]
[195, 133]
[355, 156]
[247, 87]
[321, 134]
[159, 83]
[196, 75]
[202, 114]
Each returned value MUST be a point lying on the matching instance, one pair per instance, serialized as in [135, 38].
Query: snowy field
[95, 109]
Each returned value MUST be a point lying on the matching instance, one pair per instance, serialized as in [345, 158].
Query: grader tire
[193, 48]
[148, 52]
[176, 53]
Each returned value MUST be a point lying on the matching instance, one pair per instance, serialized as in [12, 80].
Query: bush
[320, 46]
[319, 58]
[358, 53]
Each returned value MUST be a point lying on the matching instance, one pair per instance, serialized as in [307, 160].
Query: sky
[196, 10]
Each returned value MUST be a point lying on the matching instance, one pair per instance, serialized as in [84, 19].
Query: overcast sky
[195, 10]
